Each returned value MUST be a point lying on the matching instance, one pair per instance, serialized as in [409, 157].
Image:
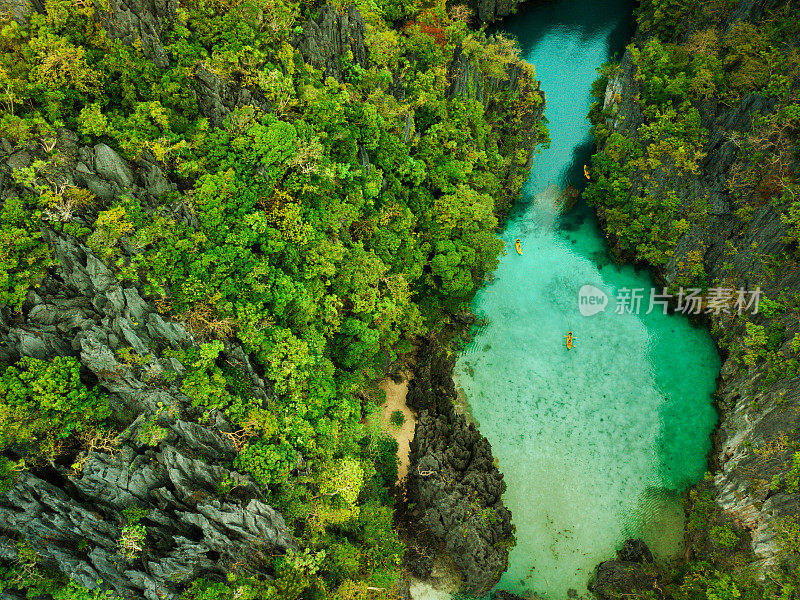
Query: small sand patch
[396, 400]
[444, 582]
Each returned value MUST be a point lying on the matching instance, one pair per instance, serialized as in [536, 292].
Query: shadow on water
[574, 171]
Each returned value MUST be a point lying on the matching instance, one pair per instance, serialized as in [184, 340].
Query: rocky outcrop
[200, 516]
[322, 42]
[74, 522]
[140, 21]
[217, 97]
[331, 37]
[627, 576]
[487, 11]
[752, 447]
[453, 484]
[514, 104]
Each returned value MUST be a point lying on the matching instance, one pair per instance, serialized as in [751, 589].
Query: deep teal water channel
[596, 443]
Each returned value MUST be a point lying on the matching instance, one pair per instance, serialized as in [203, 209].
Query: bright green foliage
[43, 402]
[295, 572]
[755, 343]
[134, 514]
[24, 257]
[327, 233]
[268, 463]
[132, 540]
[27, 576]
[397, 418]
[235, 588]
[703, 582]
[386, 461]
[110, 226]
[724, 535]
[793, 475]
[792, 221]
[340, 486]
[764, 345]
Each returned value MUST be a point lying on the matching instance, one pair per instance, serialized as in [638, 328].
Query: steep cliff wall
[696, 176]
[488, 11]
[515, 104]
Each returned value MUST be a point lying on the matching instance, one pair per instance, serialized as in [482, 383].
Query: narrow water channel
[596, 443]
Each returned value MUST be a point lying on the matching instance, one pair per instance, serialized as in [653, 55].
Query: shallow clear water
[596, 442]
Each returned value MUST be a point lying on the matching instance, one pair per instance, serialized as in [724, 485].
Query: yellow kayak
[569, 340]
[518, 245]
[586, 171]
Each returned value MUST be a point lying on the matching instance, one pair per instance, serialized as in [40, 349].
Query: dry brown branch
[202, 320]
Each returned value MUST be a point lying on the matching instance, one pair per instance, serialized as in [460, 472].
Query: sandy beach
[396, 400]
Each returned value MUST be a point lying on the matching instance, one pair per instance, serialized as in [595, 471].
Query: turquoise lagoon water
[596, 443]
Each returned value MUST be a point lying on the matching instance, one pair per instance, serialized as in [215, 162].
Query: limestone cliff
[515, 103]
[163, 463]
[487, 11]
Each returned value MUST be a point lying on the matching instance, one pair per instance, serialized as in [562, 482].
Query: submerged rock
[635, 550]
[501, 595]
[628, 575]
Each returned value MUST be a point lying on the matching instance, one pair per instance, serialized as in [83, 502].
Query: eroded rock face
[487, 11]
[453, 482]
[217, 98]
[144, 20]
[757, 420]
[201, 517]
[74, 521]
[331, 37]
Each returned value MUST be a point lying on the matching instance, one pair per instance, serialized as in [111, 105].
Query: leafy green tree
[43, 402]
[24, 257]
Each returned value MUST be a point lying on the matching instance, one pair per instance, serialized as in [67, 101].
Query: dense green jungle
[229, 229]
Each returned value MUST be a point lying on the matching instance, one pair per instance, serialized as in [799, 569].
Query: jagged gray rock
[109, 165]
[453, 483]
[324, 41]
[217, 98]
[488, 11]
[143, 20]
[72, 516]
